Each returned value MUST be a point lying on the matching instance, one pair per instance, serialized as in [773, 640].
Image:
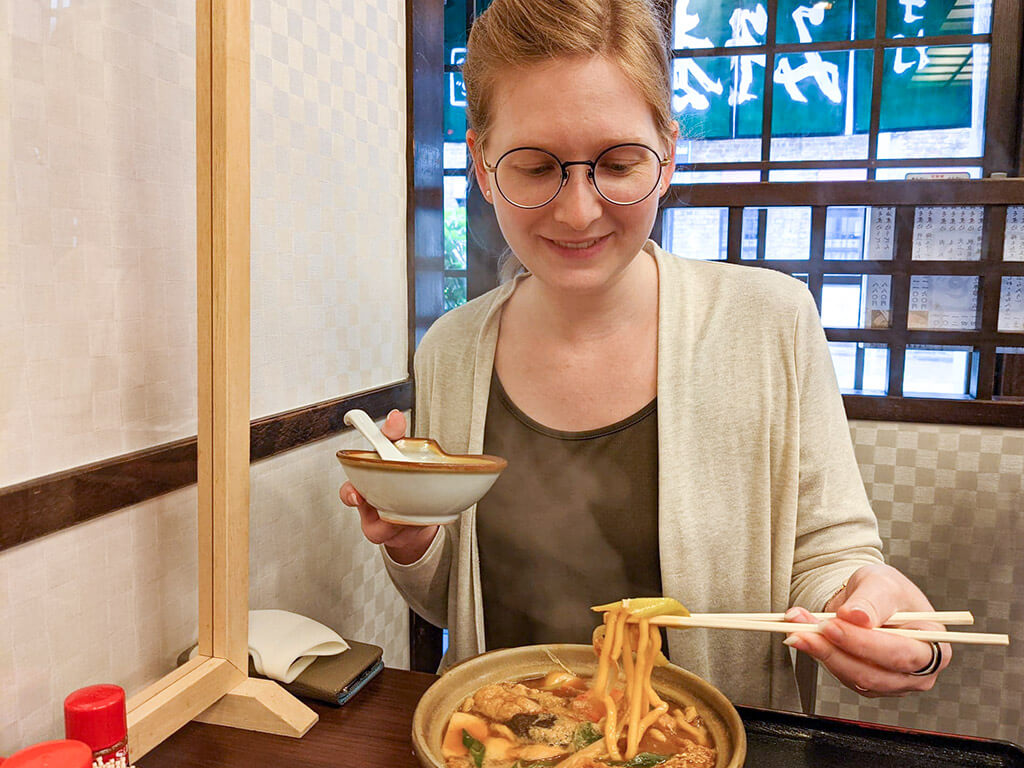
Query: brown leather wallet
[333, 679]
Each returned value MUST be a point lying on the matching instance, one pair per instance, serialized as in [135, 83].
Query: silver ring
[932, 666]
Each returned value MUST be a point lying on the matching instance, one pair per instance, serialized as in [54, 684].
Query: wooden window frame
[1000, 149]
[985, 407]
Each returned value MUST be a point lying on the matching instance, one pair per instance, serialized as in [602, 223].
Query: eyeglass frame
[591, 169]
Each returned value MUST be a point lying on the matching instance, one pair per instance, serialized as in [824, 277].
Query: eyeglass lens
[622, 175]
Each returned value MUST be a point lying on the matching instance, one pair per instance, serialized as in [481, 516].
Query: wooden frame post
[215, 687]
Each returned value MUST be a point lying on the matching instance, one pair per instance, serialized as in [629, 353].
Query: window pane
[943, 302]
[861, 368]
[454, 223]
[454, 292]
[844, 233]
[856, 301]
[818, 174]
[814, 113]
[948, 233]
[787, 233]
[717, 23]
[801, 21]
[933, 101]
[923, 18]
[454, 28]
[930, 371]
[1013, 245]
[698, 233]
[454, 106]
[454, 154]
[717, 98]
[714, 177]
[1011, 305]
[899, 174]
[1009, 372]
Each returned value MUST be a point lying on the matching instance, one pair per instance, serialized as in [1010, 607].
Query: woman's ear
[669, 170]
[482, 177]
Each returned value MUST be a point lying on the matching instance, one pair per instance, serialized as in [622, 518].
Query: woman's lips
[578, 248]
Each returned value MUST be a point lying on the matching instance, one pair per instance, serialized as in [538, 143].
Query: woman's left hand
[872, 663]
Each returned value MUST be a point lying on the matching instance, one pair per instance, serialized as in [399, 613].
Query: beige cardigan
[761, 504]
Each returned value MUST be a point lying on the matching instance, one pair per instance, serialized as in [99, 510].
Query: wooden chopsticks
[772, 624]
[952, 618]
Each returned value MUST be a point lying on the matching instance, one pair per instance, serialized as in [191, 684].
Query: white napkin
[282, 644]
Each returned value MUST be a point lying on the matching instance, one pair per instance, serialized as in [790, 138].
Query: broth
[555, 721]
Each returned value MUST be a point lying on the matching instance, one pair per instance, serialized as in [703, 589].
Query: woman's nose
[578, 204]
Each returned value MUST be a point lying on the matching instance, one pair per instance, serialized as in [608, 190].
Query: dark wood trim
[54, 502]
[1004, 87]
[425, 86]
[768, 95]
[424, 65]
[734, 245]
[284, 431]
[945, 192]
[869, 164]
[920, 410]
[886, 267]
[51, 503]
[829, 45]
[877, 75]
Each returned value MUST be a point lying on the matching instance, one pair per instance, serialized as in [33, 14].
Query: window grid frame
[982, 406]
[996, 153]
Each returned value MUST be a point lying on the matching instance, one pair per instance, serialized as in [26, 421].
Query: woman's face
[573, 108]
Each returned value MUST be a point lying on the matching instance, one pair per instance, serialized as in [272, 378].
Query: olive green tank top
[572, 522]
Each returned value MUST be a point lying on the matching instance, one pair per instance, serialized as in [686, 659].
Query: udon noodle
[565, 721]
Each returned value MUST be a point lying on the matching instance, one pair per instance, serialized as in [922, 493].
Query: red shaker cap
[96, 715]
[52, 754]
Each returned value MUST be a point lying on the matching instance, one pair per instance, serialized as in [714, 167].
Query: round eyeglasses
[625, 174]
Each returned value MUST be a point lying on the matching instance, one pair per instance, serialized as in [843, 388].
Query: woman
[672, 426]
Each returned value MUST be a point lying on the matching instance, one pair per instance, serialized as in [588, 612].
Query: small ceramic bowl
[432, 489]
[436, 706]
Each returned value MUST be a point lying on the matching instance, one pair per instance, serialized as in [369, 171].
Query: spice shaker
[52, 754]
[96, 715]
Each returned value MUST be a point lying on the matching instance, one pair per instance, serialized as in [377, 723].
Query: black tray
[788, 740]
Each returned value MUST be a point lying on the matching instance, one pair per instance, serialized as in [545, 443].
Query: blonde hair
[516, 33]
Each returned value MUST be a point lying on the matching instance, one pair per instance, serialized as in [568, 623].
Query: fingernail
[791, 614]
[795, 641]
[859, 613]
[351, 500]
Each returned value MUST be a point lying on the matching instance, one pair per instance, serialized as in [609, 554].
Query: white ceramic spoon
[369, 429]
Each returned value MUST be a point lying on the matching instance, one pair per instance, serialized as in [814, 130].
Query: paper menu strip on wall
[946, 302]
[878, 302]
[883, 229]
[1013, 247]
[1011, 305]
[948, 233]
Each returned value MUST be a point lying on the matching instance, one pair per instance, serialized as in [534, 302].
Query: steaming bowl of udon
[540, 728]
[432, 488]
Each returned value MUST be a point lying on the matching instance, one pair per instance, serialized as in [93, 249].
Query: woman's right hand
[405, 543]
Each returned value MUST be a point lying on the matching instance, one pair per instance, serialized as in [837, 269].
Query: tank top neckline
[558, 434]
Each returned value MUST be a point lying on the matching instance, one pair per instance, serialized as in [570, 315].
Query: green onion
[643, 760]
[585, 735]
[476, 749]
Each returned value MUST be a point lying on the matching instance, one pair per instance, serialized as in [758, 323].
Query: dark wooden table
[371, 731]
